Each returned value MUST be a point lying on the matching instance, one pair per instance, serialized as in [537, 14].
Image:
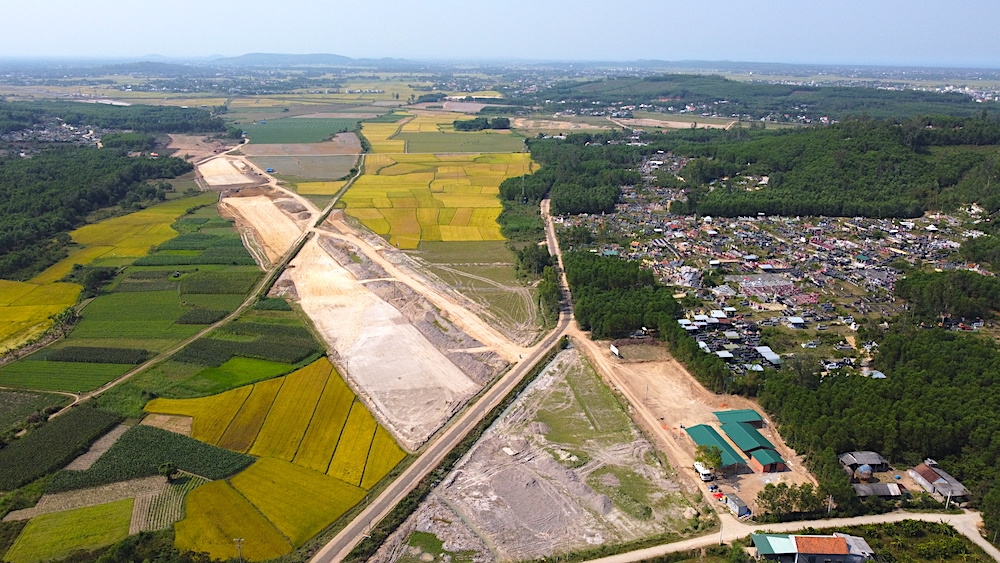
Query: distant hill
[282, 60]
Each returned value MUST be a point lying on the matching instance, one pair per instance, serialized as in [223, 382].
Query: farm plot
[294, 131]
[26, 307]
[159, 511]
[457, 142]
[73, 377]
[379, 136]
[341, 144]
[565, 470]
[215, 514]
[302, 417]
[52, 536]
[434, 197]
[300, 168]
[299, 502]
[298, 424]
[16, 406]
[141, 451]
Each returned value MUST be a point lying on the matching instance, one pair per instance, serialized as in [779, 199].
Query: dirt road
[966, 523]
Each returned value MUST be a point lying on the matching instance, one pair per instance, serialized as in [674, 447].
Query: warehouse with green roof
[704, 435]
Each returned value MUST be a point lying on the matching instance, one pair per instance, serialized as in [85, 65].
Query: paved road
[967, 523]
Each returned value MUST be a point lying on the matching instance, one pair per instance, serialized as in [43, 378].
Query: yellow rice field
[319, 188]
[309, 417]
[433, 197]
[25, 307]
[215, 513]
[317, 444]
[289, 416]
[299, 502]
[355, 442]
[241, 432]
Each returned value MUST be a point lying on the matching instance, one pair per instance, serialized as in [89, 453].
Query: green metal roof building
[742, 415]
[746, 437]
[704, 435]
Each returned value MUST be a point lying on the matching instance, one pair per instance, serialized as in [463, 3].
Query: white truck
[705, 473]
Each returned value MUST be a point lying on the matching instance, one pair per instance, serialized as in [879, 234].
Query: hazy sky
[911, 32]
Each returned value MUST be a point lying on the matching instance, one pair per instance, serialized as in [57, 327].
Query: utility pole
[239, 548]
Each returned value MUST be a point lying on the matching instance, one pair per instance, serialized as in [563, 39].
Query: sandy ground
[176, 424]
[412, 386]
[666, 396]
[196, 147]
[273, 228]
[512, 493]
[671, 124]
[342, 143]
[524, 123]
[457, 308]
[225, 172]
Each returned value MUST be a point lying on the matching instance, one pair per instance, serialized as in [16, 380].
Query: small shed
[768, 354]
[883, 490]
[736, 505]
[767, 461]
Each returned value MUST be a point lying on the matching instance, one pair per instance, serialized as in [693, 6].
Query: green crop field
[53, 536]
[16, 406]
[461, 142]
[289, 131]
[141, 451]
[234, 373]
[74, 377]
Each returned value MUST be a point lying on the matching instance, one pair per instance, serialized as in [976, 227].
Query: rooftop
[821, 545]
[746, 436]
[742, 415]
[704, 435]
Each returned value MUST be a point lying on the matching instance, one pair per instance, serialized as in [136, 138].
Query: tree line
[481, 123]
[44, 197]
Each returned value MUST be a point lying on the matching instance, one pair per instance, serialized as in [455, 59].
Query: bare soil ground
[93, 496]
[196, 147]
[97, 449]
[176, 424]
[342, 143]
[221, 172]
[666, 124]
[667, 397]
[273, 223]
[413, 387]
[564, 469]
[343, 115]
[526, 123]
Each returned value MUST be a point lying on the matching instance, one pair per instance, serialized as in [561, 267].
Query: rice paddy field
[188, 282]
[26, 307]
[433, 197]
[320, 450]
[288, 130]
[53, 536]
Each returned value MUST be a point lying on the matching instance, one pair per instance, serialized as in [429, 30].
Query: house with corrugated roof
[836, 548]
